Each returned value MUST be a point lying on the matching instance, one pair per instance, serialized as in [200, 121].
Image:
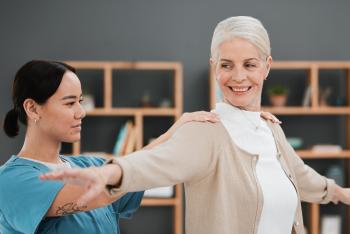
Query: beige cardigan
[222, 191]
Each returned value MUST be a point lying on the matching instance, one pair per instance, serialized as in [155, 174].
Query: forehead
[70, 85]
[238, 48]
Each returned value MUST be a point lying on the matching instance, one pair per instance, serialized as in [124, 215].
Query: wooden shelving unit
[312, 69]
[138, 114]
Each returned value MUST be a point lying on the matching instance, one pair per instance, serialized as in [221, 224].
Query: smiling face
[240, 72]
[61, 115]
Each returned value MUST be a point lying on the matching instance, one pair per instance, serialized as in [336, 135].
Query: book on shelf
[162, 192]
[130, 144]
[326, 148]
[331, 224]
[121, 141]
[307, 96]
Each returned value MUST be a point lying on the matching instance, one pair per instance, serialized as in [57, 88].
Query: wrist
[113, 174]
[337, 194]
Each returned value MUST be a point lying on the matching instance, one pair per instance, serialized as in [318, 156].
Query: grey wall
[159, 30]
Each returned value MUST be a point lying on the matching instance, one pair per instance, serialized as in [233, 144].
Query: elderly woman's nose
[238, 75]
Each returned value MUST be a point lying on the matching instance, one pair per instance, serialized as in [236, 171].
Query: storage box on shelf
[109, 107]
[313, 72]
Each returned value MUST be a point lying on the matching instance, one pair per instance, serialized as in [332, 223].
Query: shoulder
[85, 160]
[206, 129]
[214, 132]
[20, 178]
[17, 167]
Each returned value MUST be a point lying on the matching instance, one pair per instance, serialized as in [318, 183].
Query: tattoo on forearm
[69, 208]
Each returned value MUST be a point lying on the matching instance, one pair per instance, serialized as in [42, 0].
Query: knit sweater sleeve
[189, 155]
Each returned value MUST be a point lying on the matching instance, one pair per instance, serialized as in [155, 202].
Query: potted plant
[278, 95]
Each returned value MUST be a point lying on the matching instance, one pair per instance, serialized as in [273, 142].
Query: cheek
[258, 78]
[60, 119]
[222, 77]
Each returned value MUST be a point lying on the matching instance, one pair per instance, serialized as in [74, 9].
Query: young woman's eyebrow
[71, 97]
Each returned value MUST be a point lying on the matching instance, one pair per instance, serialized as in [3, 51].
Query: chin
[72, 139]
[238, 103]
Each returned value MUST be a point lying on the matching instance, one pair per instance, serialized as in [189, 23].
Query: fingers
[71, 176]
[271, 117]
[57, 175]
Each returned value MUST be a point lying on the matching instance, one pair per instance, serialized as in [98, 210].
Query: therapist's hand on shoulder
[197, 116]
[204, 116]
[268, 116]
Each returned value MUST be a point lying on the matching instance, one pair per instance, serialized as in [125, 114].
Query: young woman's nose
[80, 112]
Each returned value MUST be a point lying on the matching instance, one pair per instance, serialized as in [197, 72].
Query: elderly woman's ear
[268, 66]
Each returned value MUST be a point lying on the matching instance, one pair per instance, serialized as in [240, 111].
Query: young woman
[46, 98]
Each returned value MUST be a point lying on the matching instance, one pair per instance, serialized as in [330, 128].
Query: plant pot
[278, 100]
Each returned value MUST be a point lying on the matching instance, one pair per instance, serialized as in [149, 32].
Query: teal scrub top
[25, 199]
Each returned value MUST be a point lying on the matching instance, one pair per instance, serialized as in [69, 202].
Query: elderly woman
[241, 175]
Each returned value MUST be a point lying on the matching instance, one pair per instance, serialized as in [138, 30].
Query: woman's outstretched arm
[185, 157]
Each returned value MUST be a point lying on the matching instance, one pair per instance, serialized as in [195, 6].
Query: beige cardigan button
[296, 223]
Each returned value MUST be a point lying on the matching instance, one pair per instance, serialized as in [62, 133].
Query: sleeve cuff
[330, 190]
[112, 189]
[122, 187]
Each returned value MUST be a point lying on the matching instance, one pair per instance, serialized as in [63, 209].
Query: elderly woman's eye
[224, 65]
[250, 65]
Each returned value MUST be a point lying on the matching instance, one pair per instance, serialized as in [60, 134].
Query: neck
[254, 108]
[40, 147]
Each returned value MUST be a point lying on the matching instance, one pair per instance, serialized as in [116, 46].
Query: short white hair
[244, 27]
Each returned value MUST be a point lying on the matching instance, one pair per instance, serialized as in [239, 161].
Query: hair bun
[11, 127]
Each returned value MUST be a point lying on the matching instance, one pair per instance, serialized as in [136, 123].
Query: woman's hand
[341, 195]
[93, 179]
[198, 116]
[269, 116]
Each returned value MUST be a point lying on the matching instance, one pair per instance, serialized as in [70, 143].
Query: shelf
[309, 154]
[286, 65]
[132, 111]
[307, 110]
[154, 65]
[159, 202]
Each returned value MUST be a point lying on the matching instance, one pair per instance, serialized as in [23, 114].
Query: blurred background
[161, 30]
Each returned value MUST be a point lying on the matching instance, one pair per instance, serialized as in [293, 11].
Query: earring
[35, 121]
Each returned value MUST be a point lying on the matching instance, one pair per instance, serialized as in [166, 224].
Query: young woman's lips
[77, 127]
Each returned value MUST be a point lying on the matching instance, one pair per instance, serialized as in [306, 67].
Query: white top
[53, 166]
[251, 133]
